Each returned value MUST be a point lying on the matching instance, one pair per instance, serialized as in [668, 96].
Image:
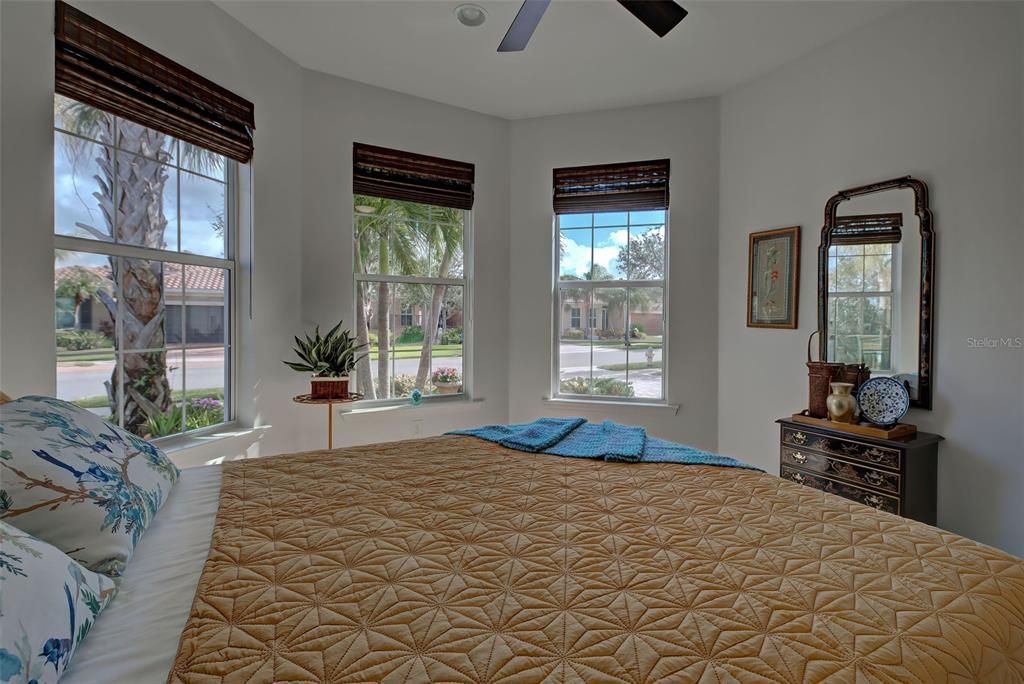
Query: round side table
[308, 399]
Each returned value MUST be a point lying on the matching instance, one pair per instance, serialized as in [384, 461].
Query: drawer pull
[799, 437]
[797, 477]
[875, 455]
[874, 478]
[798, 457]
[874, 501]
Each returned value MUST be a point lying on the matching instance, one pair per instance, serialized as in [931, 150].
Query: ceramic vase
[842, 406]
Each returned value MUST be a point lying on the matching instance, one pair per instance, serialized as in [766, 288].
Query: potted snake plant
[330, 358]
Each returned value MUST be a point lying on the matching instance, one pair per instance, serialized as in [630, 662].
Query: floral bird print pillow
[48, 603]
[69, 478]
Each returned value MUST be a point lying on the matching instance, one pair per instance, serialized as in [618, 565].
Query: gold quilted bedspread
[452, 559]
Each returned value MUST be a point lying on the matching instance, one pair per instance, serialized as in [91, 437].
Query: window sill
[383, 406]
[597, 403]
[205, 436]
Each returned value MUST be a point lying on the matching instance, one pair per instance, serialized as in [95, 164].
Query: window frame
[229, 263]
[465, 282]
[591, 285]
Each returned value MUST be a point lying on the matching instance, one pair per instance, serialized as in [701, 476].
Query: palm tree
[78, 284]
[130, 196]
[444, 234]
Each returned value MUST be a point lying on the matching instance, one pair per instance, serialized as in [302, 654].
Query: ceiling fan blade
[523, 26]
[661, 16]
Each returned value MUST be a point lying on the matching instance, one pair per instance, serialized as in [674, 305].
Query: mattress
[134, 638]
[453, 559]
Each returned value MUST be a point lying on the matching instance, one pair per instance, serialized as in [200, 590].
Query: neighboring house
[198, 293]
[413, 315]
[609, 319]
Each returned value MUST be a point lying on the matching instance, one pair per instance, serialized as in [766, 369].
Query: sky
[610, 233]
[75, 184]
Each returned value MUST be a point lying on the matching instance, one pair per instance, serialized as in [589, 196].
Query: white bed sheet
[136, 638]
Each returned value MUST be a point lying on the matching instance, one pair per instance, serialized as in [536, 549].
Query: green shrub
[71, 339]
[612, 387]
[402, 385]
[610, 334]
[202, 412]
[410, 335]
[164, 424]
[637, 332]
[609, 387]
[572, 334]
[451, 336]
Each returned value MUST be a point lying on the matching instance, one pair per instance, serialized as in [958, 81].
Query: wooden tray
[898, 431]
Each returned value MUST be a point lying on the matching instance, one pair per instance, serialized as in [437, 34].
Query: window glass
[143, 332]
[610, 337]
[413, 321]
[860, 304]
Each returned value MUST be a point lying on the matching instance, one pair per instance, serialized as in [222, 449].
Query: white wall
[338, 112]
[934, 91]
[205, 39]
[685, 132]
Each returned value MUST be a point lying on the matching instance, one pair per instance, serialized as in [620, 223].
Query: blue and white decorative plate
[883, 400]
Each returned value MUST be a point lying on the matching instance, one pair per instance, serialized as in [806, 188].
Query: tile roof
[196, 277]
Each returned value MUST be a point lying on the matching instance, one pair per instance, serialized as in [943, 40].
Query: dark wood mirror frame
[926, 317]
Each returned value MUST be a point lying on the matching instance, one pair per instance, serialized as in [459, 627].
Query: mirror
[876, 265]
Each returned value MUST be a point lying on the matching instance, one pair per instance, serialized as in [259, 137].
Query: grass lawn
[412, 351]
[101, 400]
[85, 355]
[635, 365]
[654, 341]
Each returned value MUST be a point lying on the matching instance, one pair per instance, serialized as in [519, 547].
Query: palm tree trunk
[131, 199]
[364, 376]
[430, 325]
[384, 321]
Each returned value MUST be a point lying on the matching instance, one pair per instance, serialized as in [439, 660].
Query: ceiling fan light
[470, 15]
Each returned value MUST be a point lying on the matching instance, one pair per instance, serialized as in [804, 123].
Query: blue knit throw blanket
[576, 438]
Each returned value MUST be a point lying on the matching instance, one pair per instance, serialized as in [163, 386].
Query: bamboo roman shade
[104, 68]
[607, 187]
[394, 174]
[867, 229]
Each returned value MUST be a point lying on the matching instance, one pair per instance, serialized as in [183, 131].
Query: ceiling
[585, 55]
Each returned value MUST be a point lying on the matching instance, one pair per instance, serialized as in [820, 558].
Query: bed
[455, 559]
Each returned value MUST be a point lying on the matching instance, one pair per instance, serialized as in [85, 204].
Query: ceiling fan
[661, 16]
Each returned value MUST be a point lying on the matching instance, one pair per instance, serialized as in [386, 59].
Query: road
[575, 360]
[205, 369]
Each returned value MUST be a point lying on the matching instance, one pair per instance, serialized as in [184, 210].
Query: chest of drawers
[894, 476]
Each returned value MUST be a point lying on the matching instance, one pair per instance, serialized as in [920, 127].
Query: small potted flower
[331, 358]
[446, 380]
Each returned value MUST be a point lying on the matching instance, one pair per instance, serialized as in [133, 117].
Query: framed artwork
[773, 278]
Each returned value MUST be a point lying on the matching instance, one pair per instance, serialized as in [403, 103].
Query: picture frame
[773, 278]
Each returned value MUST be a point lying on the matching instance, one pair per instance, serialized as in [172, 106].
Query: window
[860, 304]
[143, 272]
[613, 263]
[610, 228]
[406, 315]
[411, 290]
